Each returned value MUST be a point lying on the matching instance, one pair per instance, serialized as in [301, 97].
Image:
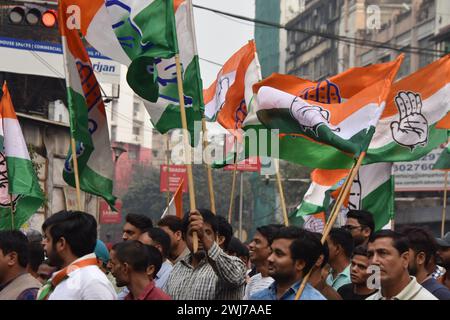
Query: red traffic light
[49, 18]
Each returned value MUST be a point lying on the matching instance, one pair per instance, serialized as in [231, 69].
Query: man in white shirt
[69, 243]
[389, 255]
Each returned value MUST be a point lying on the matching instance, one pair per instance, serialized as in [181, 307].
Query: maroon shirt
[150, 293]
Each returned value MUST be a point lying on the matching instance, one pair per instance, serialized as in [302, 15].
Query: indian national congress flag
[145, 35]
[20, 192]
[88, 122]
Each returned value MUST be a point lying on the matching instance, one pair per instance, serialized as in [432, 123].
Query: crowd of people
[68, 262]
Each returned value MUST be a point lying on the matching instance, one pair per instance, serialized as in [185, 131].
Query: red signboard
[252, 164]
[169, 180]
[107, 215]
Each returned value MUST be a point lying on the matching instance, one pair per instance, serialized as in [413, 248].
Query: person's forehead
[129, 226]
[260, 236]
[357, 258]
[352, 222]
[282, 243]
[382, 243]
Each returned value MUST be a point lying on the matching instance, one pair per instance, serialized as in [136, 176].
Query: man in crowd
[238, 249]
[69, 243]
[133, 264]
[294, 252]
[259, 250]
[209, 273]
[320, 272]
[361, 225]
[224, 232]
[340, 245]
[357, 289]
[423, 246]
[388, 251]
[444, 255]
[160, 239]
[134, 226]
[173, 226]
[35, 253]
[15, 282]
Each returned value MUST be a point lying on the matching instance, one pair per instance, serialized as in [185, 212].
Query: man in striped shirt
[209, 274]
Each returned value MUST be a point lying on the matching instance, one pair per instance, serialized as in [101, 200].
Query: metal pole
[444, 205]
[241, 204]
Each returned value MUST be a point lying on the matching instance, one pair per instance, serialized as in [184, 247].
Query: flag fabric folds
[145, 35]
[175, 207]
[88, 122]
[20, 192]
[227, 97]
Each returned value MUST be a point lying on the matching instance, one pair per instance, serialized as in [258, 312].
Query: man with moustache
[69, 243]
[361, 225]
[444, 255]
[208, 274]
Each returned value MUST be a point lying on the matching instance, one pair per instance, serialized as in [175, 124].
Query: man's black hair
[208, 217]
[162, 238]
[342, 237]
[15, 241]
[269, 231]
[79, 229]
[133, 253]
[364, 218]
[224, 229]
[400, 242]
[360, 251]
[237, 248]
[35, 255]
[139, 221]
[325, 251]
[155, 258]
[172, 222]
[421, 240]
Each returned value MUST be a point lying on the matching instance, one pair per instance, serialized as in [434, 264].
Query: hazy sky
[218, 36]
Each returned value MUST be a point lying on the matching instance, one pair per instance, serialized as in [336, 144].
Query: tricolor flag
[145, 35]
[415, 120]
[345, 126]
[88, 123]
[175, 207]
[443, 162]
[372, 190]
[227, 98]
[20, 192]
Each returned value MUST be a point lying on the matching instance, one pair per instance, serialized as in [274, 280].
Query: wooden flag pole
[334, 214]
[233, 184]
[208, 169]
[168, 170]
[186, 145]
[12, 211]
[444, 205]
[280, 190]
[75, 171]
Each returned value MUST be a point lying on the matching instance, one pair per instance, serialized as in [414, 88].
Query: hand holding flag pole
[334, 213]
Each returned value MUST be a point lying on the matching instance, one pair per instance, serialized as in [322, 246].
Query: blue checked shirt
[270, 293]
[217, 277]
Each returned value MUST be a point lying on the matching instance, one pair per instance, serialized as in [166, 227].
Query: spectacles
[350, 228]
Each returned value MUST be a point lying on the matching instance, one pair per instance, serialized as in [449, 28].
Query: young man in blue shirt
[294, 252]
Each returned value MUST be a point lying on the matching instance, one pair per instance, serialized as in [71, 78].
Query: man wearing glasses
[361, 225]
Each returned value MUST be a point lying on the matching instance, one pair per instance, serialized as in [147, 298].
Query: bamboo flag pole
[208, 168]
[280, 190]
[168, 170]
[334, 214]
[12, 211]
[444, 204]
[233, 183]
[186, 145]
[76, 174]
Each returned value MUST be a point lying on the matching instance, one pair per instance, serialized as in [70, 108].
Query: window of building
[114, 110]
[405, 68]
[136, 109]
[136, 131]
[113, 133]
[425, 59]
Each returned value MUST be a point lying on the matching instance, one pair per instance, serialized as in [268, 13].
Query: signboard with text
[171, 176]
[252, 164]
[107, 215]
[419, 175]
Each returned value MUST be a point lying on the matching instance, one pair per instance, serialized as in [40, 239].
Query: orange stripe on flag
[178, 197]
[6, 106]
[88, 9]
[325, 177]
